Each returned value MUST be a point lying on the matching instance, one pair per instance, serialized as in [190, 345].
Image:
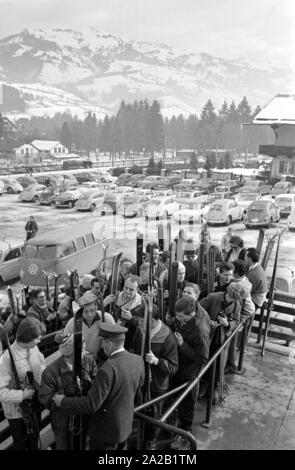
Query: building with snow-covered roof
[37, 150]
[279, 114]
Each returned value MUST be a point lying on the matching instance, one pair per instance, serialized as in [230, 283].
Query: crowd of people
[114, 357]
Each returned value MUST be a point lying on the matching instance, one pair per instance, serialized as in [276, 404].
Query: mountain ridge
[96, 70]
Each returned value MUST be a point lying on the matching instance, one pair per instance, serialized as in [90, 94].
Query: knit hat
[67, 345]
[86, 281]
[185, 305]
[28, 330]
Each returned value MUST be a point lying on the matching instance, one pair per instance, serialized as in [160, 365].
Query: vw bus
[285, 203]
[60, 251]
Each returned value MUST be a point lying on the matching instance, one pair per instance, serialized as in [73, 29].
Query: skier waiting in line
[58, 378]
[92, 321]
[27, 358]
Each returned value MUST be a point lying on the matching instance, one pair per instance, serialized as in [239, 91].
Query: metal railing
[188, 386]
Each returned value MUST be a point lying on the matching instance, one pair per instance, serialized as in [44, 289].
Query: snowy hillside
[58, 70]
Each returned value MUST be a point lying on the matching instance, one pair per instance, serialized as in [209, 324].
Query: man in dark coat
[193, 352]
[31, 228]
[110, 401]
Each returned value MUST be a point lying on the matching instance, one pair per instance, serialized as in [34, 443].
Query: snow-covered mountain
[78, 71]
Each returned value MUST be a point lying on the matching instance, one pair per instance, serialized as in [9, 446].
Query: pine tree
[156, 128]
[66, 136]
[208, 114]
[233, 115]
[223, 112]
[244, 110]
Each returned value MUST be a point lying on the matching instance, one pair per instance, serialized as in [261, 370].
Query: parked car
[282, 187]
[133, 181]
[262, 213]
[135, 205]
[69, 180]
[143, 192]
[224, 211]
[186, 183]
[167, 182]
[83, 177]
[236, 184]
[162, 193]
[123, 178]
[285, 203]
[32, 192]
[49, 195]
[226, 189]
[285, 279]
[189, 196]
[256, 186]
[50, 180]
[291, 220]
[160, 208]
[2, 188]
[150, 182]
[104, 176]
[216, 196]
[90, 201]
[91, 185]
[25, 180]
[112, 203]
[244, 199]
[10, 253]
[11, 185]
[190, 213]
[70, 197]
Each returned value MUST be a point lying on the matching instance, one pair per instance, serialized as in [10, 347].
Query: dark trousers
[21, 440]
[186, 408]
[97, 445]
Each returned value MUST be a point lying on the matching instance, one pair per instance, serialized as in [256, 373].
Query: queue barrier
[188, 386]
[282, 319]
[46, 434]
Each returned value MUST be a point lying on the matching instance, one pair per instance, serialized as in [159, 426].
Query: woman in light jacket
[27, 357]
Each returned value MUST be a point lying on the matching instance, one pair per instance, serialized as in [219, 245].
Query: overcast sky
[258, 29]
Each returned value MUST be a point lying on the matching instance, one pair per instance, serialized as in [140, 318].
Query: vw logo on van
[33, 269]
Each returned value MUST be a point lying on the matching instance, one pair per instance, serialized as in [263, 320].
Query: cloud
[226, 28]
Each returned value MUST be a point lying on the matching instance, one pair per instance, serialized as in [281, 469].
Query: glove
[151, 358]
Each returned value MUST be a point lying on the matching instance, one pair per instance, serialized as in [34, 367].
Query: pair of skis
[271, 291]
[164, 236]
[271, 240]
[206, 263]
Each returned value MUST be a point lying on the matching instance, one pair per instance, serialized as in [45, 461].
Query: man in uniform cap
[110, 401]
[92, 322]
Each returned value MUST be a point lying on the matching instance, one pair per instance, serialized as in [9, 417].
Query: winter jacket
[40, 314]
[90, 333]
[194, 352]
[110, 401]
[216, 303]
[164, 347]
[25, 360]
[57, 378]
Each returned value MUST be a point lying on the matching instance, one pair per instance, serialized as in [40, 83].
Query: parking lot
[14, 215]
